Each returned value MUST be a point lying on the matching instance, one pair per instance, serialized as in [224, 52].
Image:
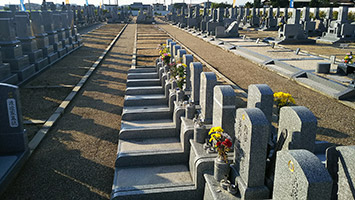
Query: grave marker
[208, 81]
[250, 148]
[297, 126]
[299, 174]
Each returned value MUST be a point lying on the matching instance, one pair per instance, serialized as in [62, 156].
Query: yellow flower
[215, 129]
[184, 65]
[215, 136]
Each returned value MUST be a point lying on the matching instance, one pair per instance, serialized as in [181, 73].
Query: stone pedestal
[52, 33]
[5, 73]
[29, 45]
[11, 50]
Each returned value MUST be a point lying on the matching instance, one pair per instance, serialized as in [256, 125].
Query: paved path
[335, 120]
[76, 159]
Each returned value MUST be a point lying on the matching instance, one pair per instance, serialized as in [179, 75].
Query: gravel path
[335, 121]
[76, 159]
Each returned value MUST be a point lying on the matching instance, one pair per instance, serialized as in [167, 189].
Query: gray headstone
[341, 167]
[175, 49]
[208, 81]
[224, 108]
[297, 126]
[187, 59]
[180, 53]
[13, 138]
[250, 149]
[195, 69]
[7, 31]
[299, 174]
[261, 96]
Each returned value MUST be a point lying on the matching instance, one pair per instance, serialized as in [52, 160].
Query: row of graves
[31, 42]
[116, 15]
[326, 75]
[291, 25]
[87, 15]
[145, 17]
[183, 137]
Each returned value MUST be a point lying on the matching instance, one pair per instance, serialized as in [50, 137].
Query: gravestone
[341, 167]
[208, 81]
[67, 31]
[195, 69]
[187, 59]
[224, 108]
[179, 55]
[48, 21]
[29, 45]
[5, 73]
[297, 128]
[250, 149]
[174, 52]
[11, 51]
[42, 37]
[13, 137]
[261, 96]
[299, 174]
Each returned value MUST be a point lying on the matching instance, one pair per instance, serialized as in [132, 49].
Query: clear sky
[120, 2]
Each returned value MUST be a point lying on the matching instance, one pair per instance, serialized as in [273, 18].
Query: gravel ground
[335, 121]
[40, 103]
[76, 159]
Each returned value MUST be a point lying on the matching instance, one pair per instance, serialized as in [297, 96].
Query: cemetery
[205, 102]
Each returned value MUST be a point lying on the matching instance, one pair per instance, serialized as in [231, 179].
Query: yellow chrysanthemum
[215, 136]
[215, 129]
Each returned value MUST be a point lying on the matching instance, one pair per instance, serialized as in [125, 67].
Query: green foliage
[104, 11]
[322, 14]
[279, 3]
[248, 5]
[155, 13]
[220, 5]
[351, 16]
[312, 16]
[335, 14]
[6, 8]
[257, 3]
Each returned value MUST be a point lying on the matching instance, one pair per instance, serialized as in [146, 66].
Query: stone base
[61, 52]
[68, 48]
[34, 55]
[259, 192]
[5, 70]
[47, 50]
[26, 72]
[12, 79]
[41, 63]
[18, 63]
[52, 57]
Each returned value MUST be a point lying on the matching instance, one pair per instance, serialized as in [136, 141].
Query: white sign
[12, 111]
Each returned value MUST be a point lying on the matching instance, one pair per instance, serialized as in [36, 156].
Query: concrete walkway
[76, 159]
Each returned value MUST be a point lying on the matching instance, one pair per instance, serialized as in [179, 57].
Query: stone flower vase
[221, 169]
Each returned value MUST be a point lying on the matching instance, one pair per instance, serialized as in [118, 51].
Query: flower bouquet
[222, 143]
[283, 99]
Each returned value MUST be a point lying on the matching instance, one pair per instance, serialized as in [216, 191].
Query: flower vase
[221, 169]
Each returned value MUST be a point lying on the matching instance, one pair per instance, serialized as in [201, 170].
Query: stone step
[143, 75]
[147, 129]
[142, 70]
[143, 82]
[145, 100]
[150, 151]
[146, 112]
[144, 90]
[153, 182]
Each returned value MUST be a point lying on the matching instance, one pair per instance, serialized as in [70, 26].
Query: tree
[257, 4]
[248, 5]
